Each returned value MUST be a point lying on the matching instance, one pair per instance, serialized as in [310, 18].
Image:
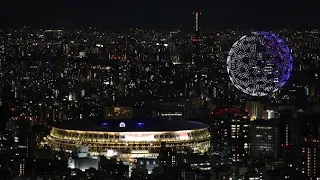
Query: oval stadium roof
[131, 125]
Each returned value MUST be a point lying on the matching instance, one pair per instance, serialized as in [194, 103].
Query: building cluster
[49, 77]
[71, 68]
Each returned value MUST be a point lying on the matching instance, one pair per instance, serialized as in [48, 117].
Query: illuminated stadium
[129, 138]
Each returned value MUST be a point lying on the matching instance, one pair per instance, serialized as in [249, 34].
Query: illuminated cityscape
[184, 103]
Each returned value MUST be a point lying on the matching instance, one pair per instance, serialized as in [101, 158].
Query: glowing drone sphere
[259, 64]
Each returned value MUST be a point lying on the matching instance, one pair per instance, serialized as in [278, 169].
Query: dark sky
[161, 14]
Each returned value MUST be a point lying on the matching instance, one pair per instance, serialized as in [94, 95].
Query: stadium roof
[132, 125]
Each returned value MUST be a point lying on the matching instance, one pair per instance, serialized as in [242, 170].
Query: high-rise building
[270, 114]
[254, 108]
[21, 130]
[265, 139]
[310, 157]
[167, 156]
[230, 139]
[288, 126]
[15, 147]
[240, 142]
[302, 161]
[7, 153]
[301, 144]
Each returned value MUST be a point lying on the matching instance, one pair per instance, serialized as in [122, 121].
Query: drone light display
[259, 63]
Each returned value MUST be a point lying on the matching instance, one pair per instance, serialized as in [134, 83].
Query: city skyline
[101, 90]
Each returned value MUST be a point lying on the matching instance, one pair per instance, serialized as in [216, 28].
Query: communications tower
[196, 41]
[197, 86]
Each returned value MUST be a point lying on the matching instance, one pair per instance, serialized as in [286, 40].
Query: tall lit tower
[197, 60]
[196, 42]
[196, 38]
[197, 14]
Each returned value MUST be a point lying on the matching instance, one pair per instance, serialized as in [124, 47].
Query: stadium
[128, 139]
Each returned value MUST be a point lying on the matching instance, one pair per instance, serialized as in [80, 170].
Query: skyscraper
[230, 139]
[302, 155]
[265, 139]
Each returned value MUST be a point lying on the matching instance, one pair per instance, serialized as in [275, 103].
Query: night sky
[153, 14]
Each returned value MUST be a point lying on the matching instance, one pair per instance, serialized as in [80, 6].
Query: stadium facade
[129, 139]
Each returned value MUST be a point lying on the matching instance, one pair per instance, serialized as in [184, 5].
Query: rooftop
[131, 125]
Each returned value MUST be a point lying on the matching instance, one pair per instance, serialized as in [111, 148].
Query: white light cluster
[150, 136]
[259, 64]
[139, 137]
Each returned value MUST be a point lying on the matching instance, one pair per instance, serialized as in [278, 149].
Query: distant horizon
[223, 15]
[186, 29]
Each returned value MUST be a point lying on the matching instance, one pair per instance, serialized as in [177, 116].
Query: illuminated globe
[259, 63]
